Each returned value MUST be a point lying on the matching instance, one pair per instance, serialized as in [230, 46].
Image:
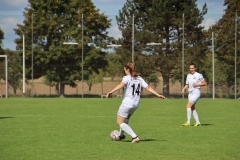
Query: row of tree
[172, 23]
[162, 22]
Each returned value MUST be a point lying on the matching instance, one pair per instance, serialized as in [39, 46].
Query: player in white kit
[132, 84]
[194, 82]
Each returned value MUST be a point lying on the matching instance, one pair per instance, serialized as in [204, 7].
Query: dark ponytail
[130, 66]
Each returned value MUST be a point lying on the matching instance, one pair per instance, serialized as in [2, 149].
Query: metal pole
[235, 58]
[213, 90]
[24, 88]
[82, 58]
[133, 38]
[6, 72]
[183, 57]
[32, 58]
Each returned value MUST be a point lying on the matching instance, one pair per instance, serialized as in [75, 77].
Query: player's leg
[121, 131]
[125, 121]
[194, 99]
[195, 115]
[124, 113]
[125, 127]
[189, 113]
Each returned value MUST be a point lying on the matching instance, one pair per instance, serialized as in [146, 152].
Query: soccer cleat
[121, 137]
[196, 124]
[186, 124]
[135, 140]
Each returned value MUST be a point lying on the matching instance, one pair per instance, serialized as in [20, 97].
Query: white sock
[126, 128]
[121, 131]
[195, 115]
[189, 114]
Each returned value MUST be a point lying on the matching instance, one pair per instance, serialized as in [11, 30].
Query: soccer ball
[114, 135]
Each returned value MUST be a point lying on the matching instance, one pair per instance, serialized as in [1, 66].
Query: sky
[11, 14]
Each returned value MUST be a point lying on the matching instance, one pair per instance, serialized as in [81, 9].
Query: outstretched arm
[185, 87]
[149, 89]
[119, 86]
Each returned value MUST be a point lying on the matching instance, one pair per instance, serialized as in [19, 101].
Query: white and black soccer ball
[114, 135]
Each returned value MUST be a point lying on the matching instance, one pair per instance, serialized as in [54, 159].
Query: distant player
[132, 84]
[194, 82]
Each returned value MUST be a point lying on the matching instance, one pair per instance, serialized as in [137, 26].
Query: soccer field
[75, 128]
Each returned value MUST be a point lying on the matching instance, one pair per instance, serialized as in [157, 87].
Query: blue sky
[11, 14]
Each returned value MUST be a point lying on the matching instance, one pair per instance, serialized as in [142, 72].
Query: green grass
[75, 128]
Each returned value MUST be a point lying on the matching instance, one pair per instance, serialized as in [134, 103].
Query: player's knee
[119, 122]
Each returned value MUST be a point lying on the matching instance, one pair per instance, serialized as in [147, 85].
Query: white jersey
[132, 88]
[194, 78]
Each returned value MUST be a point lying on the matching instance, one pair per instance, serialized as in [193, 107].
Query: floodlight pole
[235, 59]
[23, 79]
[183, 57]
[32, 59]
[213, 69]
[133, 38]
[6, 72]
[82, 59]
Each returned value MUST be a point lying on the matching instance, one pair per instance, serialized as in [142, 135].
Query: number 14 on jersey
[136, 88]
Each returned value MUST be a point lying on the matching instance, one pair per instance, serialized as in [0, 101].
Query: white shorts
[126, 109]
[194, 96]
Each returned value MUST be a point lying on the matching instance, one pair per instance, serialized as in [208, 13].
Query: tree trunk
[62, 88]
[89, 88]
[165, 85]
[102, 86]
[57, 88]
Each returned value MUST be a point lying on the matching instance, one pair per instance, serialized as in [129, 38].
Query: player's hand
[161, 96]
[108, 94]
[195, 85]
[183, 90]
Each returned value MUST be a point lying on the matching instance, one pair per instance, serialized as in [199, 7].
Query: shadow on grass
[206, 125]
[142, 140]
[5, 117]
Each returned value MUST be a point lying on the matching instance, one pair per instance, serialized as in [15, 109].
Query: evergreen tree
[115, 68]
[160, 21]
[224, 33]
[55, 22]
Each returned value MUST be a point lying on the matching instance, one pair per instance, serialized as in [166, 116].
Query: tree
[219, 67]
[93, 79]
[55, 22]
[161, 22]
[224, 31]
[115, 68]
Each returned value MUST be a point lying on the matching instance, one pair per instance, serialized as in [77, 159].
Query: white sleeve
[125, 79]
[201, 77]
[144, 84]
[187, 80]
